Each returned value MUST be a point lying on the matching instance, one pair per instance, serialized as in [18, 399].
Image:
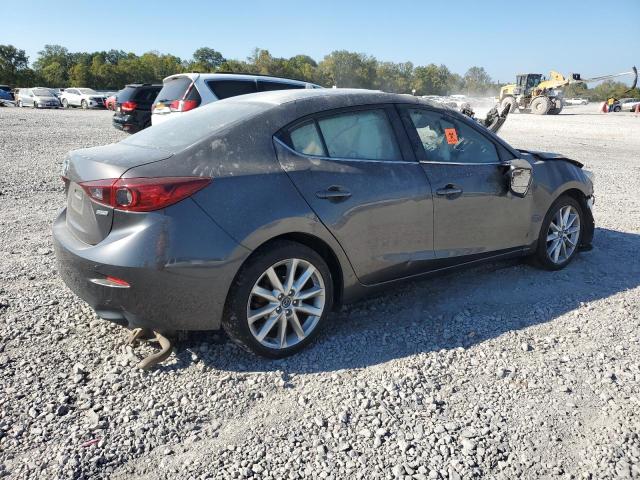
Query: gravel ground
[503, 371]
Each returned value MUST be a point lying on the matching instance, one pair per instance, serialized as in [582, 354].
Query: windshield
[188, 128]
[87, 91]
[42, 92]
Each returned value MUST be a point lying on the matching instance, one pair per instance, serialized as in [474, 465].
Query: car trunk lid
[87, 219]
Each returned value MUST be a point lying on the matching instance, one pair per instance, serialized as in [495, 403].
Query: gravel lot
[501, 372]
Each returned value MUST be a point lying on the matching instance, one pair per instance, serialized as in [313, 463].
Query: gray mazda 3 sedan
[259, 213]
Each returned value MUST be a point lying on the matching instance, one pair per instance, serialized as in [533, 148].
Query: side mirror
[519, 174]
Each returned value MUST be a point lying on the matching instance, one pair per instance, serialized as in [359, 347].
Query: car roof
[235, 76]
[328, 97]
[136, 85]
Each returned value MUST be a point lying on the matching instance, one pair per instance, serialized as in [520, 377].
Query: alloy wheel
[286, 303]
[563, 234]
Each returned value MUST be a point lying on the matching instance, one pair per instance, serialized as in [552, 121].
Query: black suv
[133, 106]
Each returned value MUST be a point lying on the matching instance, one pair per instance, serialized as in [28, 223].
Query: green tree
[13, 63]
[431, 80]
[477, 81]
[348, 69]
[80, 76]
[54, 75]
[394, 77]
[207, 59]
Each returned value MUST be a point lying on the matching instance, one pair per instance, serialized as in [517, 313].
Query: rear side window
[268, 86]
[306, 139]
[174, 89]
[363, 135]
[447, 140]
[231, 88]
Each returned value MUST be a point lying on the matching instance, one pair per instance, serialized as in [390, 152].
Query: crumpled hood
[549, 156]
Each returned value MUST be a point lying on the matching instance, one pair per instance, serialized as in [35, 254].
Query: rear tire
[19, 104]
[551, 254]
[559, 104]
[286, 315]
[541, 105]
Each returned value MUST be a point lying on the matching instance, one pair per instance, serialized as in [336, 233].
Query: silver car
[82, 97]
[37, 98]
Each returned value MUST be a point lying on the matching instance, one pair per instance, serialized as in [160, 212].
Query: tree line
[56, 66]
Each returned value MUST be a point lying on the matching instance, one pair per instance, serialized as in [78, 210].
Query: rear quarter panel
[251, 197]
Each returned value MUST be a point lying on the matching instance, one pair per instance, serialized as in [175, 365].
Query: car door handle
[449, 190]
[334, 192]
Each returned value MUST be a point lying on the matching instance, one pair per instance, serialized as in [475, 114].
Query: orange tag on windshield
[451, 135]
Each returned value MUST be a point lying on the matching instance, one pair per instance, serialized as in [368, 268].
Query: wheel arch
[582, 198]
[318, 245]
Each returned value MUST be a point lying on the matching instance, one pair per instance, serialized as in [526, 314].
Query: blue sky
[590, 37]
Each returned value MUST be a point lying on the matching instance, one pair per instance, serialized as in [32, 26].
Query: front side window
[306, 139]
[363, 135]
[447, 140]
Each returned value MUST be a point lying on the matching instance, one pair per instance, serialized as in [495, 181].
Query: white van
[185, 91]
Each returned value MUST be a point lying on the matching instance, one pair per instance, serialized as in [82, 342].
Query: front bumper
[179, 266]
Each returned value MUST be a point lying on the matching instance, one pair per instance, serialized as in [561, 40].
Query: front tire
[279, 300]
[65, 103]
[561, 234]
[509, 101]
[84, 104]
[541, 105]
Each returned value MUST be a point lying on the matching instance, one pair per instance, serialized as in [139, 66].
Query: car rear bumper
[179, 267]
[127, 123]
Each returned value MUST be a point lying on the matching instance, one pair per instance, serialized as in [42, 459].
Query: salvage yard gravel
[502, 372]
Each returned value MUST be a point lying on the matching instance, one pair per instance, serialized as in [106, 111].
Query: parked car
[38, 97]
[110, 102]
[260, 213]
[6, 92]
[133, 107]
[186, 91]
[576, 101]
[629, 104]
[82, 97]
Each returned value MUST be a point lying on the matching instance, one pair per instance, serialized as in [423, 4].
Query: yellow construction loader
[533, 93]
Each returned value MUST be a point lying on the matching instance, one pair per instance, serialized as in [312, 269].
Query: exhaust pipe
[155, 358]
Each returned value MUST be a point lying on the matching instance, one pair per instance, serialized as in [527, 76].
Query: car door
[475, 214]
[73, 97]
[27, 99]
[356, 170]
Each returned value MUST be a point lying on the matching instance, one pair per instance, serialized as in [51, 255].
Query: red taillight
[128, 106]
[117, 281]
[143, 194]
[183, 105]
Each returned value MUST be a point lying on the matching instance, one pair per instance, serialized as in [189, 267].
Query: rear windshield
[189, 128]
[174, 89]
[138, 94]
